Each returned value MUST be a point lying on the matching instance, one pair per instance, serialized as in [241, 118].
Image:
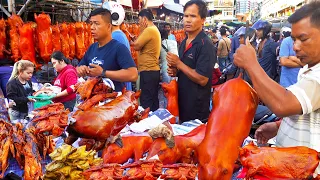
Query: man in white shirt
[299, 104]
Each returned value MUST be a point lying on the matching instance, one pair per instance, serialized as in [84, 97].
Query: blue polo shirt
[194, 99]
[288, 75]
[112, 56]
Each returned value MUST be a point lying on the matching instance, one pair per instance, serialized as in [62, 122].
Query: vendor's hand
[245, 56]
[173, 60]
[172, 71]
[31, 100]
[266, 132]
[83, 70]
[11, 104]
[95, 70]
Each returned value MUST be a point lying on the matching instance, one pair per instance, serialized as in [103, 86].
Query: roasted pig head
[278, 163]
[234, 106]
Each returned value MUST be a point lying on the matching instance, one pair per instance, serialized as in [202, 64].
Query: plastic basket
[39, 104]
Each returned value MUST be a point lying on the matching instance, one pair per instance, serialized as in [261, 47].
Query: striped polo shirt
[303, 130]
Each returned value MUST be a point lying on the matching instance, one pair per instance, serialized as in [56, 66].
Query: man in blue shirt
[117, 16]
[267, 55]
[167, 27]
[107, 57]
[289, 62]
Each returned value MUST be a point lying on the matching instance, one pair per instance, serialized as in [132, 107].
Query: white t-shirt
[303, 130]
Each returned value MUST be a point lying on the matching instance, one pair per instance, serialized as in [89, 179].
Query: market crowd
[284, 69]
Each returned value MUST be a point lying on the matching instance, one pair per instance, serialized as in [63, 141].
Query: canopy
[169, 4]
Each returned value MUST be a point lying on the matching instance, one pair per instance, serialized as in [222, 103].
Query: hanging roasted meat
[15, 22]
[80, 40]
[44, 35]
[183, 149]
[72, 40]
[171, 93]
[5, 144]
[234, 104]
[279, 163]
[3, 38]
[91, 40]
[26, 44]
[86, 35]
[56, 42]
[64, 36]
[133, 146]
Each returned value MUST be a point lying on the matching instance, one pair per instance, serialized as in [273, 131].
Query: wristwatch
[103, 74]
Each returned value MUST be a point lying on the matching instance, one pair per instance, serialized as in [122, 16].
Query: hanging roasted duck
[26, 44]
[133, 146]
[64, 36]
[80, 40]
[3, 38]
[44, 35]
[101, 122]
[171, 93]
[183, 150]
[72, 40]
[278, 163]
[234, 105]
[56, 42]
[15, 22]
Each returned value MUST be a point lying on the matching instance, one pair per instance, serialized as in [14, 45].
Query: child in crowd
[19, 88]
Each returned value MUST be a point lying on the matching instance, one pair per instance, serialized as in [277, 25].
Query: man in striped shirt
[299, 103]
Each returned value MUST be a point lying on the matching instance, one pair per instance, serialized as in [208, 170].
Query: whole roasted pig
[278, 163]
[15, 22]
[56, 42]
[102, 121]
[44, 35]
[183, 150]
[133, 146]
[234, 106]
[64, 35]
[171, 93]
[3, 38]
[72, 40]
[80, 40]
[26, 45]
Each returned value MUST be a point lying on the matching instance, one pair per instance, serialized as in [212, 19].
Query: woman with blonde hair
[19, 88]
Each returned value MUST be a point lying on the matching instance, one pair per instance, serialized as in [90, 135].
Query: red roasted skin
[133, 146]
[171, 93]
[86, 35]
[44, 35]
[72, 40]
[56, 42]
[235, 104]
[80, 40]
[64, 36]
[3, 38]
[279, 163]
[183, 150]
[100, 122]
[26, 44]
[15, 22]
